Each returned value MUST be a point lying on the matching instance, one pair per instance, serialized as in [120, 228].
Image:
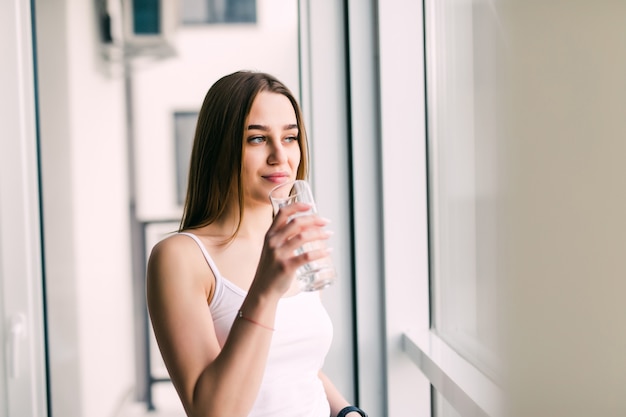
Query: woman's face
[271, 153]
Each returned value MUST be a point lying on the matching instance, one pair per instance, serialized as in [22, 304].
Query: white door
[22, 351]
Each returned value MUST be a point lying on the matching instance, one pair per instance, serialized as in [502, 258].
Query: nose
[277, 153]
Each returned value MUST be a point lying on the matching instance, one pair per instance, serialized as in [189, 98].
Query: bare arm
[335, 399]
[183, 326]
[210, 381]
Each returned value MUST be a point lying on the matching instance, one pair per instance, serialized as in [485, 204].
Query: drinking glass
[317, 274]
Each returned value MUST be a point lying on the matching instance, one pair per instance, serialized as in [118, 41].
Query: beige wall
[565, 233]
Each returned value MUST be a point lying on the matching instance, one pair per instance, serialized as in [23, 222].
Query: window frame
[24, 368]
[406, 246]
[403, 155]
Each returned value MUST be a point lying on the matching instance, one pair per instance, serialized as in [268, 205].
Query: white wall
[203, 54]
[85, 210]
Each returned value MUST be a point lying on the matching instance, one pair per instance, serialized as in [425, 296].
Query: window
[462, 153]
[438, 168]
[23, 340]
[218, 11]
[146, 17]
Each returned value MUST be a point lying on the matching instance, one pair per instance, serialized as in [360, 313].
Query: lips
[277, 177]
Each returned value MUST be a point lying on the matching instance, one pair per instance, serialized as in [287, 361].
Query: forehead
[271, 108]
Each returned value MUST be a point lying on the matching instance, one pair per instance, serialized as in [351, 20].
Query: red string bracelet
[241, 316]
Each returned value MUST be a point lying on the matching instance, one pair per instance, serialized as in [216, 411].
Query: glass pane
[461, 40]
[146, 16]
[102, 360]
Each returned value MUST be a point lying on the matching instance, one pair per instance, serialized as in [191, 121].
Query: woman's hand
[292, 227]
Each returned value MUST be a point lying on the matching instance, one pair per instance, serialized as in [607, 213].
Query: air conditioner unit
[150, 22]
[133, 29]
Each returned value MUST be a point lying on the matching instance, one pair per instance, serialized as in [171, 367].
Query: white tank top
[301, 339]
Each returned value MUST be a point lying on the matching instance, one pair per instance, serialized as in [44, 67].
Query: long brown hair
[215, 166]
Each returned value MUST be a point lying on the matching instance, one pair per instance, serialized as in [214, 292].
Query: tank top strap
[219, 281]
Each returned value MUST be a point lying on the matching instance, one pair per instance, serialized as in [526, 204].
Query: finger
[285, 213]
[311, 256]
[292, 237]
[309, 238]
[281, 230]
[294, 234]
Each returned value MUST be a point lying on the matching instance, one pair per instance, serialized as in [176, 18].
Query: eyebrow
[266, 128]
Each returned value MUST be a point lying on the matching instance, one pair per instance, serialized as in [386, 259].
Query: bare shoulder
[176, 250]
[179, 284]
[178, 260]
[174, 246]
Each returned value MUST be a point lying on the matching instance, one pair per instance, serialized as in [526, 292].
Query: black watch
[349, 409]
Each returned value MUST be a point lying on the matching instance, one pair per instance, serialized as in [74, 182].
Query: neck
[254, 225]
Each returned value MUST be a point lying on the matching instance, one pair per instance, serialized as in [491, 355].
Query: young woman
[235, 332]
